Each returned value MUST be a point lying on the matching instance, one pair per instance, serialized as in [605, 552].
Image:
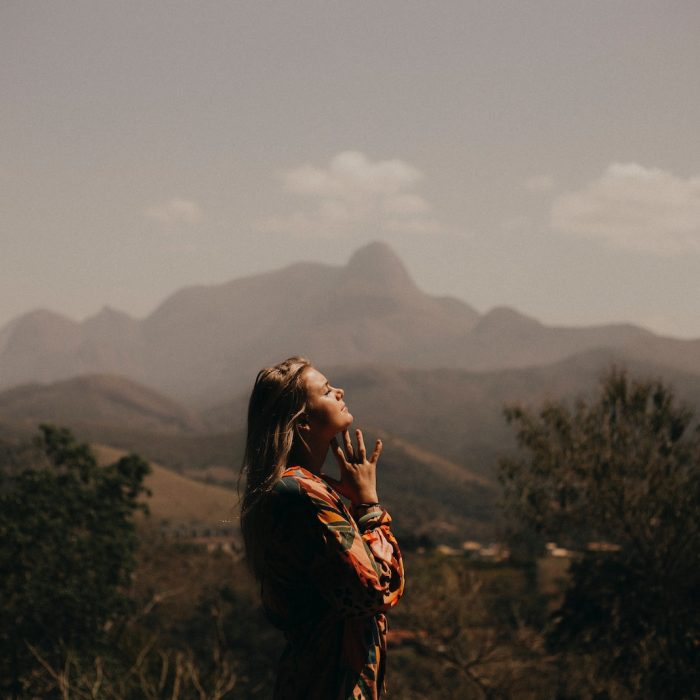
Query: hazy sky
[541, 154]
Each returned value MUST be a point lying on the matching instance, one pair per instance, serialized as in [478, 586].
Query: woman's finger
[348, 445]
[338, 452]
[361, 452]
[377, 452]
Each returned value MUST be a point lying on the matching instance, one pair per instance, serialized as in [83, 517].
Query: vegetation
[472, 632]
[194, 633]
[68, 549]
[88, 614]
[618, 481]
[615, 481]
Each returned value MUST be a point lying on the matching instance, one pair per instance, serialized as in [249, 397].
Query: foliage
[69, 540]
[154, 673]
[618, 480]
[195, 632]
[472, 633]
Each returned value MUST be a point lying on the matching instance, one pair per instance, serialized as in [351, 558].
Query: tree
[622, 472]
[68, 543]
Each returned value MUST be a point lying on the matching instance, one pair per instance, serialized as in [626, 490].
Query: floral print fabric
[327, 583]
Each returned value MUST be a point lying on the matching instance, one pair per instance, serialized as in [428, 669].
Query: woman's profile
[327, 572]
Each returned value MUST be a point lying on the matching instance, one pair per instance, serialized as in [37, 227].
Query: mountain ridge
[96, 399]
[204, 342]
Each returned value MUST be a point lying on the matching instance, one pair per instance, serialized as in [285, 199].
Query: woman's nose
[341, 392]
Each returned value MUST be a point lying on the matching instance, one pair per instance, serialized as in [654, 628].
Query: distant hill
[182, 503]
[205, 343]
[443, 429]
[130, 417]
[458, 414]
[97, 400]
[425, 494]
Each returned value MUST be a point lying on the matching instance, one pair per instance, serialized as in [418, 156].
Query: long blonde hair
[277, 401]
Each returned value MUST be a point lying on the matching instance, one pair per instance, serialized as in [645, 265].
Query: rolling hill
[458, 414]
[181, 503]
[97, 400]
[443, 430]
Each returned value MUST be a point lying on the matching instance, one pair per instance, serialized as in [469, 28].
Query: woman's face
[325, 409]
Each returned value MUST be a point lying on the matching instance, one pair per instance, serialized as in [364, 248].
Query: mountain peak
[505, 317]
[377, 264]
[107, 317]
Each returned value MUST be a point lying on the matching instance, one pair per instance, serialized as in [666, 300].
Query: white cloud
[175, 211]
[539, 183]
[635, 208]
[353, 193]
[350, 174]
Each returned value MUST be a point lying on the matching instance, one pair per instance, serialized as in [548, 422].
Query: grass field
[182, 503]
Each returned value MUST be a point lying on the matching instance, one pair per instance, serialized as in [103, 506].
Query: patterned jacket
[327, 582]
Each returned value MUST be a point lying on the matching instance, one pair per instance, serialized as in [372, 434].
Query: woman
[327, 573]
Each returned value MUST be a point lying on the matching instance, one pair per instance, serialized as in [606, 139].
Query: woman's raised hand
[358, 475]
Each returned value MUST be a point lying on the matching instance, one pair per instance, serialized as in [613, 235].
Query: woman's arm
[357, 568]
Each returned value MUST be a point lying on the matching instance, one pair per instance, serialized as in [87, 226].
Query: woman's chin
[348, 422]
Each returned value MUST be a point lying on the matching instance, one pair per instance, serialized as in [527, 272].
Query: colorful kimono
[327, 582]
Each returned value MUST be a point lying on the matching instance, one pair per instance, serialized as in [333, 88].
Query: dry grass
[179, 500]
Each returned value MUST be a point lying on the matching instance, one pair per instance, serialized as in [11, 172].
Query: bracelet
[368, 517]
[366, 505]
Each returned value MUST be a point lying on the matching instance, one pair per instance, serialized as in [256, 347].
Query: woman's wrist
[367, 508]
[366, 497]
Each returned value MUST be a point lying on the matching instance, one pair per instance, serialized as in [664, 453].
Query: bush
[69, 540]
[622, 472]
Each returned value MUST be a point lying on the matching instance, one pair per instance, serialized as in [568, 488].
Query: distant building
[603, 547]
[448, 551]
[471, 546]
[495, 552]
[219, 543]
[554, 551]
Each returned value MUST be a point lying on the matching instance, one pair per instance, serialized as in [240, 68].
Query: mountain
[506, 338]
[96, 400]
[205, 343]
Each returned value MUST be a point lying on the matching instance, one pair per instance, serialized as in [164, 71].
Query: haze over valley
[429, 374]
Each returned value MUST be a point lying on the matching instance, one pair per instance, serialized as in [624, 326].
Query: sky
[543, 155]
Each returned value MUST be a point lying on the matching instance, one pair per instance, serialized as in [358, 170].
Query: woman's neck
[310, 456]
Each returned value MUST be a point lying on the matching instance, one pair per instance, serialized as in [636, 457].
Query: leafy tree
[622, 472]
[68, 543]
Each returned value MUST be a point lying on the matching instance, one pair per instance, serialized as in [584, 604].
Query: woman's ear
[303, 423]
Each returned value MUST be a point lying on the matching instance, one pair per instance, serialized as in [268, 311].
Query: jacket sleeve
[358, 569]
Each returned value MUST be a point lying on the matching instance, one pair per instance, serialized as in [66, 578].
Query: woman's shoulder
[298, 481]
[295, 475]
